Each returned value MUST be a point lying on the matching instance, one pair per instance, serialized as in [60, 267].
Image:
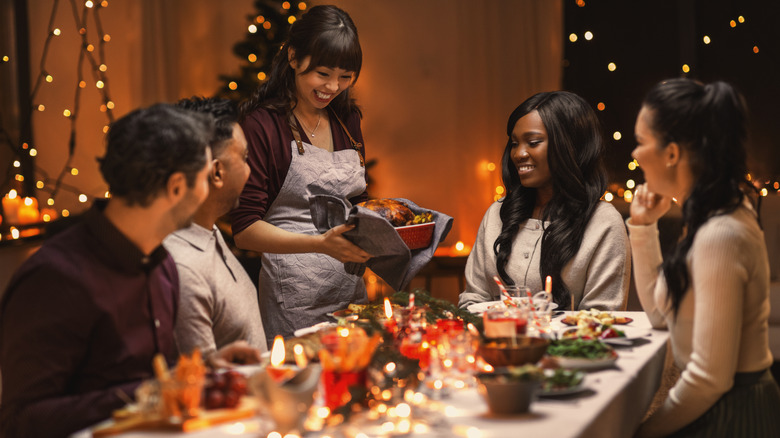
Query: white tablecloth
[612, 406]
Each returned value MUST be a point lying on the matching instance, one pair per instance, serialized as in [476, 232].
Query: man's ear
[176, 187]
[217, 174]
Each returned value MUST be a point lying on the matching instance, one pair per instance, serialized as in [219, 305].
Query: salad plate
[582, 363]
[480, 308]
[561, 382]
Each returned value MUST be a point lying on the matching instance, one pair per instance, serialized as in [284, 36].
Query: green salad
[581, 348]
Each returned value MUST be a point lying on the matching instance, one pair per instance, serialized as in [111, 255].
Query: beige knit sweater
[597, 276]
[722, 324]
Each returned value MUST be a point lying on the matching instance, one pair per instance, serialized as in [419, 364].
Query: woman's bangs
[337, 50]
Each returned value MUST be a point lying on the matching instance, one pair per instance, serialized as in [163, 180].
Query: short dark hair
[145, 147]
[224, 112]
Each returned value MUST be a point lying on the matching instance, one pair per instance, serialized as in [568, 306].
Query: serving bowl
[506, 394]
[502, 352]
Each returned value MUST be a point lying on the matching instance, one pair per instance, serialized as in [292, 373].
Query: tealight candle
[276, 369]
[28, 211]
[300, 358]
[11, 203]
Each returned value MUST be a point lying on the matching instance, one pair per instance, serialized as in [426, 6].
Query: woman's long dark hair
[328, 35]
[708, 123]
[575, 151]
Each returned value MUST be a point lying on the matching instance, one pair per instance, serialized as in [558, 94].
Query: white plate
[565, 391]
[586, 364]
[313, 329]
[479, 308]
[629, 339]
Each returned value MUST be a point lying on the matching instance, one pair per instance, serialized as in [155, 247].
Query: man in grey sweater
[218, 305]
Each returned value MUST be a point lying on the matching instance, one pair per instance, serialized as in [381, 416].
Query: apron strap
[355, 145]
[296, 135]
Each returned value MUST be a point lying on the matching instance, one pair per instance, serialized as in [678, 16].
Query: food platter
[582, 363]
[313, 329]
[574, 383]
[480, 308]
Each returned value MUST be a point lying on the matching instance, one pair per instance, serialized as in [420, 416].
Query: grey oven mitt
[392, 260]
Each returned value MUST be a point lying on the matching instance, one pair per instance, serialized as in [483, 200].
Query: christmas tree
[266, 32]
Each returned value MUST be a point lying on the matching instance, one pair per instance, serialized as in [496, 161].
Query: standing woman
[551, 221]
[712, 290]
[303, 130]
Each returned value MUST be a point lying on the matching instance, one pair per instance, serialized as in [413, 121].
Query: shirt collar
[197, 236]
[126, 254]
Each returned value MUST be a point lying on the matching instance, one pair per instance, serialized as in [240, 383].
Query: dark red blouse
[269, 137]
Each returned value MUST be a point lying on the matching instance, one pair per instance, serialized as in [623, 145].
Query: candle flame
[548, 285]
[388, 309]
[277, 351]
[300, 358]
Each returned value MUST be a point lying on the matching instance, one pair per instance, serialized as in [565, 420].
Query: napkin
[393, 261]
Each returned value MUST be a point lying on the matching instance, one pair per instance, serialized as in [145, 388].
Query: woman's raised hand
[647, 207]
[341, 249]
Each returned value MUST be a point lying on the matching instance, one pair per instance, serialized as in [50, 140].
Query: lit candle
[28, 211]
[300, 358]
[11, 204]
[548, 284]
[390, 321]
[276, 369]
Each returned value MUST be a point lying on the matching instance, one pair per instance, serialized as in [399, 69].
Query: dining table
[611, 402]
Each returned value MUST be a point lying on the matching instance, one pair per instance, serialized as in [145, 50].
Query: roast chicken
[396, 212]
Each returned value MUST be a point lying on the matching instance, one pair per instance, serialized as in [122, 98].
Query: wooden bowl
[500, 352]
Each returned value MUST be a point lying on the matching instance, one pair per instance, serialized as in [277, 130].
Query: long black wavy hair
[328, 35]
[575, 153]
[709, 123]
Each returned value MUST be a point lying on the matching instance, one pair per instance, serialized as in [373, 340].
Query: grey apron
[299, 290]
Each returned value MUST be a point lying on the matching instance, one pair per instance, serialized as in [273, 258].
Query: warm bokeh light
[66, 113]
[233, 85]
[33, 152]
[588, 35]
[755, 49]
[285, 5]
[103, 67]
[686, 68]
[82, 84]
[628, 196]
[612, 66]
[764, 192]
[49, 78]
[88, 4]
[99, 84]
[460, 245]
[82, 198]
[19, 177]
[600, 106]
[733, 23]
[608, 196]
[500, 190]
[110, 104]
[17, 163]
[581, 3]
[50, 201]
[617, 135]
[252, 28]
[573, 37]
[65, 212]
[6, 58]
[90, 48]
[631, 184]
[39, 185]
[252, 57]
[302, 6]
[259, 19]
[291, 19]
[491, 166]
[74, 171]
[261, 76]
[741, 19]
[106, 37]
[776, 185]
[267, 25]
[706, 39]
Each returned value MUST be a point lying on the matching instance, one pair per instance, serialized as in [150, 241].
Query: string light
[630, 184]
[608, 197]
[41, 107]
[491, 167]
[233, 85]
[261, 76]
[588, 35]
[65, 212]
[302, 6]
[573, 37]
[741, 19]
[267, 25]
[17, 163]
[706, 39]
[66, 113]
[285, 5]
[617, 135]
[612, 66]
[6, 58]
[82, 198]
[252, 28]
[56, 32]
[733, 23]
[632, 165]
[252, 57]
[99, 84]
[291, 19]
[755, 49]
[50, 201]
[33, 152]
[686, 68]
[74, 171]
[39, 185]
[49, 78]
[600, 106]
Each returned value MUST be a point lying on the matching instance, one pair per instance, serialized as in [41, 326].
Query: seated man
[218, 302]
[82, 319]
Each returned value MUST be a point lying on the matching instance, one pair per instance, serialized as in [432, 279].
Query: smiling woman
[304, 138]
[551, 222]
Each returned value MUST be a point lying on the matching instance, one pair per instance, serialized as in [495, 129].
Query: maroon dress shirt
[80, 322]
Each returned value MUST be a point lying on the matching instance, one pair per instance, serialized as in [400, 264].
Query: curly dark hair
[328, 35]
[145, 147]
[709, 123]
[224, 112]
[575, 154]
